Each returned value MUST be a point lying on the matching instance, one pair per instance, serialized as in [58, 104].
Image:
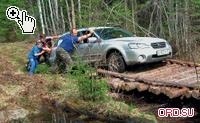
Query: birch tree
[79, 13]
[41, 17]
[63, 19]
[68, 14]
[52, 18]
[45, 17]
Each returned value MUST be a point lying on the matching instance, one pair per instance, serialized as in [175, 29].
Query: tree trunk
[56, 16]
[49, 27]
[68, 14]
[73, 14]
[186, 23]
[41, 17]
[151, 20]
[176, 27]
[44, 16]
[56, 9]
[63, 20]
[79, 13]
[134, 6]
[52, 19]
[89, 14]
[161, 33]
[126, 13]
[168, 18]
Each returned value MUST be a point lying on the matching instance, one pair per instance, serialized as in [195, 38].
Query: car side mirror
[92, 40]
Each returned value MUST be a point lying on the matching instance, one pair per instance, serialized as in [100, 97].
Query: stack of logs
[126, 82]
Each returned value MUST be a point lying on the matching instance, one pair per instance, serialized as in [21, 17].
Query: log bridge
[175, 79]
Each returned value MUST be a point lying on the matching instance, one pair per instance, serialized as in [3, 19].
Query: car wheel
[116, 62]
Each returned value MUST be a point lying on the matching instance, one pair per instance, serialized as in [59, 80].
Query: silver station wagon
[118, 48]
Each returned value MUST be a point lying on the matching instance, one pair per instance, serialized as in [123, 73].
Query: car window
[85, 32]
[111, 33]
[79, 33]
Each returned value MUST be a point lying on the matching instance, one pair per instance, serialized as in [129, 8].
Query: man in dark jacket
[47, 43]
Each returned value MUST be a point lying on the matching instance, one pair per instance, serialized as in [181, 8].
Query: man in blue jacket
[65, 49]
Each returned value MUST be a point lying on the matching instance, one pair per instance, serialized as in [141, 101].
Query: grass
[77, 88]
[42, 69]
[90, 87]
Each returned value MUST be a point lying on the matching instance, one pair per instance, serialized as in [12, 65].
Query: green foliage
[98, 13]
[9, 31]
[42, 68]
[90, 86]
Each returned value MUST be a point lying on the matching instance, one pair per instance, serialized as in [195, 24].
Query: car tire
[116, 62]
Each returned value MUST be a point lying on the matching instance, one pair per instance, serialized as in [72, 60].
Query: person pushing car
[65, 49]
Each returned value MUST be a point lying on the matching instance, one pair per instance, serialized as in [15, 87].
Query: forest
[175, 20]
[84, 93]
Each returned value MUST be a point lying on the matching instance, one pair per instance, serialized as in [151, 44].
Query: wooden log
[189, 77]
[183, 62]
[116, 83]
[158, 70]
[145, 81]
[179, 92]
[142, 87]
[154, 89]
[166, 91]
[128, 86]
[174, 92]
[188, 94]
[120, 96]
[195, 94]
[183, 73]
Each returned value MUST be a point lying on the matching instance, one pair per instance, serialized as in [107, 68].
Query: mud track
[172, 78]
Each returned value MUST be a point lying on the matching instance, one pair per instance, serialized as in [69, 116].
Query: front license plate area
[162, 52]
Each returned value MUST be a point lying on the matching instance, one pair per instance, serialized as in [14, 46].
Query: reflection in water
[74, 118]
[49, 117]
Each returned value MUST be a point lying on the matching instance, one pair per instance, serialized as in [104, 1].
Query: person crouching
[33, 56]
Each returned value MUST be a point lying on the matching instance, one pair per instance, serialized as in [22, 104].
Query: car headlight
[138, 45]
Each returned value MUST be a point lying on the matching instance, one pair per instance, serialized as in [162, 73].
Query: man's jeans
[34, 63]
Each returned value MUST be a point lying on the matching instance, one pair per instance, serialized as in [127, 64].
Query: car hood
[147, 40]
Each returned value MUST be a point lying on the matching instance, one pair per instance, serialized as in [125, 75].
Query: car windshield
[110, 33]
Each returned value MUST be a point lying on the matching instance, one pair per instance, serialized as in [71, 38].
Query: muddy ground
[48, 97]
[17, 89]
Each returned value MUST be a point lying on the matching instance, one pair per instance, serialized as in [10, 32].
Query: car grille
[158, 45]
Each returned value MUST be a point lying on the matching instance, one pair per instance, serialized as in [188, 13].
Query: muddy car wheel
[116, 62]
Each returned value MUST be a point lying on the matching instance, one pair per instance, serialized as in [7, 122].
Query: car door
[95, 49]
[82, 49]
[90, 51]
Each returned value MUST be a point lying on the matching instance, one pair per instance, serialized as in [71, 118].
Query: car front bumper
[137, 56]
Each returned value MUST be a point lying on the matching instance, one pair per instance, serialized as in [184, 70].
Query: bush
[89, 85]
[42, 68]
